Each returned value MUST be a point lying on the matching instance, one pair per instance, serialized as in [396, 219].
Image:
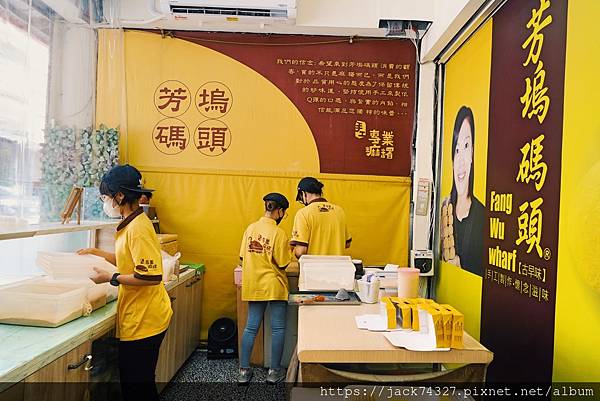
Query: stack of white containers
[73, 268]
[69, 265]
[326, 273]
[66, 293]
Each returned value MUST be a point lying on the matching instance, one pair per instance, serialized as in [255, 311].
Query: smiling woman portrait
[462, 214]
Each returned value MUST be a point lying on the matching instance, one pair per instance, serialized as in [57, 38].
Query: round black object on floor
[222, 339]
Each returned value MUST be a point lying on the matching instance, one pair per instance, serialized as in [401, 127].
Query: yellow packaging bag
[403, 306]
[415, 316]
[415, 310]
[388, 310]
[423, 301]
[446, 325]
[458, 324]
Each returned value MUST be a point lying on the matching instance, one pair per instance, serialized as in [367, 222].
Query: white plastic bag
[170, 265]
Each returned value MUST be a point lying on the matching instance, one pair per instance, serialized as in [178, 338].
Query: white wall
[360, 13]
[424, 150]
[449, 16]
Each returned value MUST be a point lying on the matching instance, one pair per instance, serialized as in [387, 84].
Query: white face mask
[110, 210]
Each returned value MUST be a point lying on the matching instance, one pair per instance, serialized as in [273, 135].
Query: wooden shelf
[53, 228]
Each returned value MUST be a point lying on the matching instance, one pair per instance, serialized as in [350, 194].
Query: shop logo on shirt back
[259, 245]
[255, 246]
[325, 208]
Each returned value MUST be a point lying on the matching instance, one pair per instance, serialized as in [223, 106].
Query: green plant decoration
[76, 157]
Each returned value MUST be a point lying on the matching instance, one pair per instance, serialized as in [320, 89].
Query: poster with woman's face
[462, 212]
[463, 177]
[463, 158]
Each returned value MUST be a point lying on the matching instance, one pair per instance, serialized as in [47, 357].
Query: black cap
[280, 200]
[126, 178]
[310, 185]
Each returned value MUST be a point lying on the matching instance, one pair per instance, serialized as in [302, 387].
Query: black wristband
[114, 281]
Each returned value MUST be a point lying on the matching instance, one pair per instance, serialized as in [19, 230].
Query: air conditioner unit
[405, 29]
[241, 11]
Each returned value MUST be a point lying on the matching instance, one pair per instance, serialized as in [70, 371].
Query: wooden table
[328, 335]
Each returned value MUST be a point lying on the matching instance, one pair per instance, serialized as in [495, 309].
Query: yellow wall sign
[528, 78]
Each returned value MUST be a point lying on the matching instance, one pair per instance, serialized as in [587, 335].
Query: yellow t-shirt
[322, 227]
[265, 252]
[142, 311]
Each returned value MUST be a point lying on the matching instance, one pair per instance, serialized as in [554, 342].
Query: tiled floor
[200, 379]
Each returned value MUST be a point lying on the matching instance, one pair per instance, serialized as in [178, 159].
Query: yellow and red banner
[353, 99]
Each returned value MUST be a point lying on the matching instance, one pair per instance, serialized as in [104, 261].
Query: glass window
[47, 87]
[24, 69]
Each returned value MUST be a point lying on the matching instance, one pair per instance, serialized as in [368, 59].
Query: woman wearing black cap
[319, 227]
[143, 306]
[265, 254]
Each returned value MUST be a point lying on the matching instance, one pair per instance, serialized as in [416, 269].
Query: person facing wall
[264, 255]
[320, 226]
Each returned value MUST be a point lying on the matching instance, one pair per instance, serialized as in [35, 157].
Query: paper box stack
[428, 324]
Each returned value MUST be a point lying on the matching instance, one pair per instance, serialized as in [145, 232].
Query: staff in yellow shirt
[265, 254]
[143, 306]
[320, 226]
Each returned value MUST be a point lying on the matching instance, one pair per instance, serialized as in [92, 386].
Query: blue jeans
[256, 310]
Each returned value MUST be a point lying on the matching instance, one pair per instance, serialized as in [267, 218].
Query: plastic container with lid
[326, 273]
[44, 304]
[95, 294]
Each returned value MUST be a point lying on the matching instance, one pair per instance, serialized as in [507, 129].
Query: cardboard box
[403, 312]
[168, 243]
[437, 322]
[458, 324]
[389, 311]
